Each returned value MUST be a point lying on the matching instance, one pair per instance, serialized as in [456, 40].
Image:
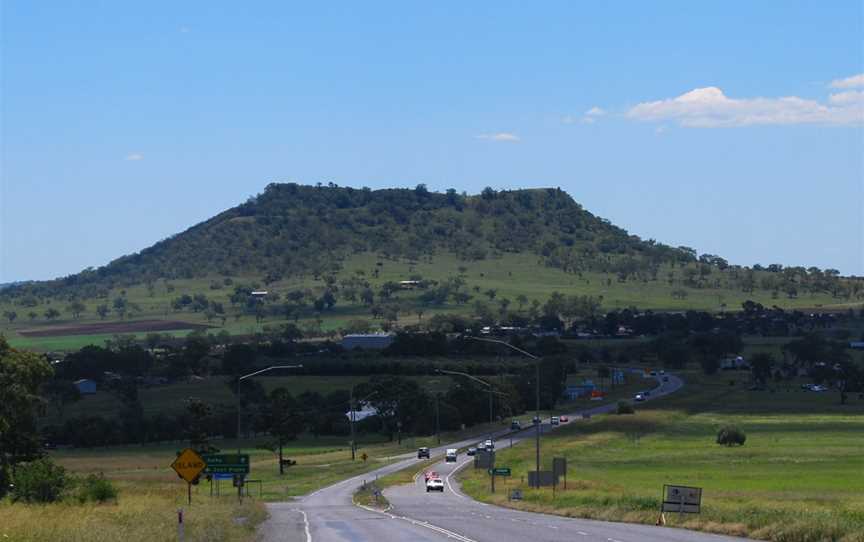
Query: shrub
[39, 481]
[96, 488]
[625, 408]
[731, 436]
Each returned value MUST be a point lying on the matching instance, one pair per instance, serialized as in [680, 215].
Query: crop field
[510, 275]
[797, 478]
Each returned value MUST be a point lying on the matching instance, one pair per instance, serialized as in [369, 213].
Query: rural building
[86, 386]
[409, 284]
[734, 363]
[573, 392]
[371, 341]
[362, 413]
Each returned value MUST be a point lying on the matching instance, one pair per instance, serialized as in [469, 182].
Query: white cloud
[500, 136]
[185, 29]
[589, 117]
[856, 81]
[710, 108]
[134, 157]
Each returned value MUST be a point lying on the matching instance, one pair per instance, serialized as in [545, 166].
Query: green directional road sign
[500, 471]
[226, 463]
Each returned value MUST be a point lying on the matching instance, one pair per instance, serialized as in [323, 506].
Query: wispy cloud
[710, 108]
[500, 136]
[856, 81]
[134, 157]
[588, 117]
[185, 29]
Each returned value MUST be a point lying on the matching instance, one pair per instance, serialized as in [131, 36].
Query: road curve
[329, 515]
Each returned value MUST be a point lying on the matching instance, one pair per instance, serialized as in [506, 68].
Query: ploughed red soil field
[138, 326]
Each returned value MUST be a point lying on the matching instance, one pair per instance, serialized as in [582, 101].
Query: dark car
[423, 453]
[471, 451]
[515, 425]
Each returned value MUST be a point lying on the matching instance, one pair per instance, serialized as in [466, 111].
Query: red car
[430, 474]
[564, 419]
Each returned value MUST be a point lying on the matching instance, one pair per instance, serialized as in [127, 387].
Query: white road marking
[583, 533]
[305, 525]
[425, 524]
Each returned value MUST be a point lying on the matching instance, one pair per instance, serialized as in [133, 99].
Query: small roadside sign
[682, 499]
[500, 471]
[189, 465]
[227, 463]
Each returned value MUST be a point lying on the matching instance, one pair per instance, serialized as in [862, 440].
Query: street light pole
[537, 405]
[240, 403]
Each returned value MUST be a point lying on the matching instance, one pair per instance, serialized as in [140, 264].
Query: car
[554, 420]
[451, 455]
[662, 372]
[653, 373]
[564, 419]
[423, 452]
[639, 397]
[489, 445]
[818, 387]
[430, 474]
[434, 484]
[515, 425]
[471, 451]
[535, 420]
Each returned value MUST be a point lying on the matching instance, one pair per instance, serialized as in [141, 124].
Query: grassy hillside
[328, 256]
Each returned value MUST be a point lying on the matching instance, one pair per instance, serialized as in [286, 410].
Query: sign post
[188, 466]
[236, 465]
[681, 499]
[498, 471]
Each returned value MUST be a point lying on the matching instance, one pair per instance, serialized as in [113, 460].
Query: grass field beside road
[798, 478]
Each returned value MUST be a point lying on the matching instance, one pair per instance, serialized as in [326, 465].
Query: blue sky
[731, 127]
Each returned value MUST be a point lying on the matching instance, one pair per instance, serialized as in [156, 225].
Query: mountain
[292, 231]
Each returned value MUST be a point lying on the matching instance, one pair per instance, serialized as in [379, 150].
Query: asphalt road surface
[328, 515]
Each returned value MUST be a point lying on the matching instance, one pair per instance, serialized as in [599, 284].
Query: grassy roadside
[150, 494]
[142, 513]
[797, 478]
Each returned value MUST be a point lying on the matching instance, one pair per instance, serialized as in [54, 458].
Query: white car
[434, 484]
[639, 397]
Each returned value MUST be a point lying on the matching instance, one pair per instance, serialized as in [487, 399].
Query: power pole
[351, 406]
[537, 425]
[438, 417]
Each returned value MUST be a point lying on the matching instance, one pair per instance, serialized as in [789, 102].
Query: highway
[329, 515]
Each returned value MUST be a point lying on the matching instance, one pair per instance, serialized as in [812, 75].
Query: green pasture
[510, 275]
[799, 476]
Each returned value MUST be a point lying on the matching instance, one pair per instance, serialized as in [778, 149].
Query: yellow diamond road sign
[188, 465]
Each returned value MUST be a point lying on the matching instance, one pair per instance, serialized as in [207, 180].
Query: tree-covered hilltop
[294, 229]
